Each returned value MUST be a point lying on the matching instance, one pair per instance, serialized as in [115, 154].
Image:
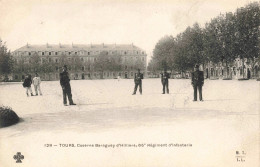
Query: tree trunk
[243, 68]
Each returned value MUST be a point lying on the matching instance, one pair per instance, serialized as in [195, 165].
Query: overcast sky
[123, 22]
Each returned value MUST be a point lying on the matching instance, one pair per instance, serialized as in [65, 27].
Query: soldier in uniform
[197, 82]
[65, 84]
[138, 81]
[165, 82]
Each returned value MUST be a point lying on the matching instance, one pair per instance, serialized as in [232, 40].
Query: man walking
[197, 82]
[36, 84]
[138, 82]
[65, 84]
[165, 82]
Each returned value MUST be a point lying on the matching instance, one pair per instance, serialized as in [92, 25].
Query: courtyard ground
[213, 133]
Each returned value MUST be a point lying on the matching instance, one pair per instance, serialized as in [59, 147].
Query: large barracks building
[93, 61]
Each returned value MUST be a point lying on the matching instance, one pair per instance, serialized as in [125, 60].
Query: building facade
[239, 68]
[93, 61]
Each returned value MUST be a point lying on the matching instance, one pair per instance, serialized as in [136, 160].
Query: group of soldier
[197, 81]
[36, 81]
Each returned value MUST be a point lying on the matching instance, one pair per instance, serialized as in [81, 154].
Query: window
[16, 77]
[125, 53]
[29, 53]
[56, 53]
[69, 53]
[56, 60]
[49, 53]
[76, 53]
[137, 52]
[42, 53]
[83, 68]
[132, 74]
[125, 67]
[57, 68]
[82, 59]
[88, 53]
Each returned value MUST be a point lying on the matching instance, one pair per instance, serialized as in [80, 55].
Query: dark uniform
[138, 82]
[165, 82]
[65, 84]
[197, 82]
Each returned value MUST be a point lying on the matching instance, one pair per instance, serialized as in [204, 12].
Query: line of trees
[224, 38]
[6, 61]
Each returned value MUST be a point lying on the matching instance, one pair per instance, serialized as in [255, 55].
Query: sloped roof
[78, 47]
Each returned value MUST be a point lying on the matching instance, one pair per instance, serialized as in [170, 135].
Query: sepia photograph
[129, 83]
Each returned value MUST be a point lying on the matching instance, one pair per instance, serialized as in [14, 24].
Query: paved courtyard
[111, 127]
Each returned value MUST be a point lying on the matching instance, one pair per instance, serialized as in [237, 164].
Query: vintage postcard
[172, 83]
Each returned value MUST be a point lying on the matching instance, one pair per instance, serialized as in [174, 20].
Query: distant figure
[65, 84]
[138, 82]
[248, 74]
[197, 82]
[165, 82]
[36, 83]
[27, 84]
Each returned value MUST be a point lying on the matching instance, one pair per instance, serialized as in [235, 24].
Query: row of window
[79, 53]
[57, 60]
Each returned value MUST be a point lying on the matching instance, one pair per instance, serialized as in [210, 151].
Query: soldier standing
[27, 84]
[36, 83]
[165, 82]
[197, 82]
[65, 84]
[138, 82]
